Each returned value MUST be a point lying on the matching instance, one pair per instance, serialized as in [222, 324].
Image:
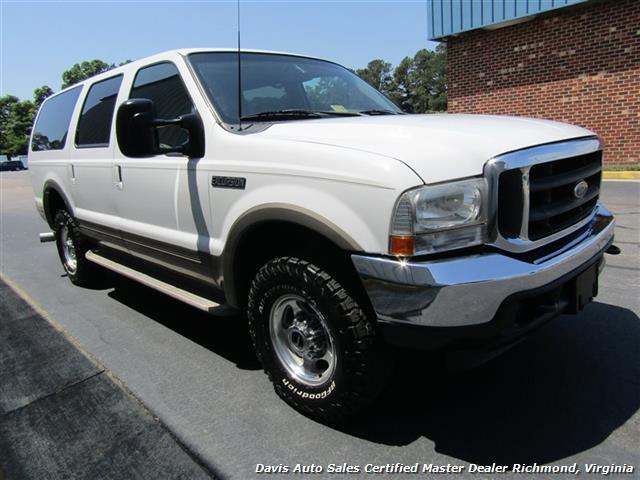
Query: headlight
[439, 217]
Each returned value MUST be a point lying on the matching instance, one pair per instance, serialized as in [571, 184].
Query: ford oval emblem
[580, 190]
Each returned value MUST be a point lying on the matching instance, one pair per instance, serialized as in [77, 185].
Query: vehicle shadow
[560, 392]
[224, 332]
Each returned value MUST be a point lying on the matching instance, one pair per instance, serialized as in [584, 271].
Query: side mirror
[137, 136]
[137, 130]
[192, 123]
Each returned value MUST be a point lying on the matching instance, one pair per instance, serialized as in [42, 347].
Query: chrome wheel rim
[68, 250]
[301, 340]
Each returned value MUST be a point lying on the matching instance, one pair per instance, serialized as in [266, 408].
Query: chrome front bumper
[461, 291]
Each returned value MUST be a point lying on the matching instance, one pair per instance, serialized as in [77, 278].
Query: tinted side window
[50, 131]
[94, 126]
[161, 83]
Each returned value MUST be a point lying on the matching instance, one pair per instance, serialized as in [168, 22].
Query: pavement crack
[56, 392]
[623, 268]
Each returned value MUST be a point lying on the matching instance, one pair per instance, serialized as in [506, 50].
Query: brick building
[575, 61]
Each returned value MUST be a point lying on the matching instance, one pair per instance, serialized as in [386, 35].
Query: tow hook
[47, 237]
[613, 250]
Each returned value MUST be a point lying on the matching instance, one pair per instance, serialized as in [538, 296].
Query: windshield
[284, 83]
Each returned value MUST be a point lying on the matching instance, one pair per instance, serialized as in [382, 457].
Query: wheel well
[273, 239]
[53, 202]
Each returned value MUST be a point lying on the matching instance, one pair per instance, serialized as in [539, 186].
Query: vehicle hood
[437, 147]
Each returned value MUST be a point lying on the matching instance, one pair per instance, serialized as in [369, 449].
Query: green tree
[378, 73]
[7, 103]
[417, 84]
[401, 92]
[428, 80]
[16, 118]
[84, 70]
[40, 94]
[6, 107]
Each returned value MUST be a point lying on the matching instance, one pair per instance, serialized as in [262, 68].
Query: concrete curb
[622, 175]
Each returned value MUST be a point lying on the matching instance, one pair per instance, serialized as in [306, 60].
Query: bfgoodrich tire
[314, 340]
[71, 248]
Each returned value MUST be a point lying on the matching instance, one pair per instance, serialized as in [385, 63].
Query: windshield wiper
[340, 114]
[293, 113]
[282, 115]
[378, 112]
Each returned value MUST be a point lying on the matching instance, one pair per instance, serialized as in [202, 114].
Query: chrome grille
[553, 202]
[548, 189]
[535, 194]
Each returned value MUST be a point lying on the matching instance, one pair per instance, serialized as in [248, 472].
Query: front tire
[72, 247]
[314, 340]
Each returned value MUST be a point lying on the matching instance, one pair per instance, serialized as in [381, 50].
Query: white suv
[338, 223]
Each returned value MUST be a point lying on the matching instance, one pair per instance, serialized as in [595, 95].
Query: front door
[150, 191]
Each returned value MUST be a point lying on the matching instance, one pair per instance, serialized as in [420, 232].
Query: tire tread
[362, 352]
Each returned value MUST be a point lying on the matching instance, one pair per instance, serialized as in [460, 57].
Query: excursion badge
[229, 182]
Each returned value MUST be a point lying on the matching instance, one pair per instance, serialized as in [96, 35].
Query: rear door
[91, 169]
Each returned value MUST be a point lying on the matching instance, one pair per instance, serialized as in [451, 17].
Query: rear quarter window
[51, 128]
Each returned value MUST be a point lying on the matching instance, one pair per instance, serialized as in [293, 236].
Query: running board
[190, 298]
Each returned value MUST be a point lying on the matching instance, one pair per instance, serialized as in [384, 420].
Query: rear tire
[72, 247]
[314, 340]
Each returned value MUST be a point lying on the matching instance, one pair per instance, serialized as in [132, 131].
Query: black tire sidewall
[83, 272]
[347, 382]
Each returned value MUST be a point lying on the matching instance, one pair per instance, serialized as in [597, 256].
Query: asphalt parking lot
[570, 393]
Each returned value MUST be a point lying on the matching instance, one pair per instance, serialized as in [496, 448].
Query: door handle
[72, 173]
[118, 177]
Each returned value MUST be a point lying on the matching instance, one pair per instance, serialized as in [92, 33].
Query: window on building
[161, 83]
[94, 126]
[52, 126]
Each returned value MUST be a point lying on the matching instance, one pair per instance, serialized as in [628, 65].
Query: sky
[41, 39]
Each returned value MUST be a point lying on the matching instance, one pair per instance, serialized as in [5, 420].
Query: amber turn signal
[402, 245]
